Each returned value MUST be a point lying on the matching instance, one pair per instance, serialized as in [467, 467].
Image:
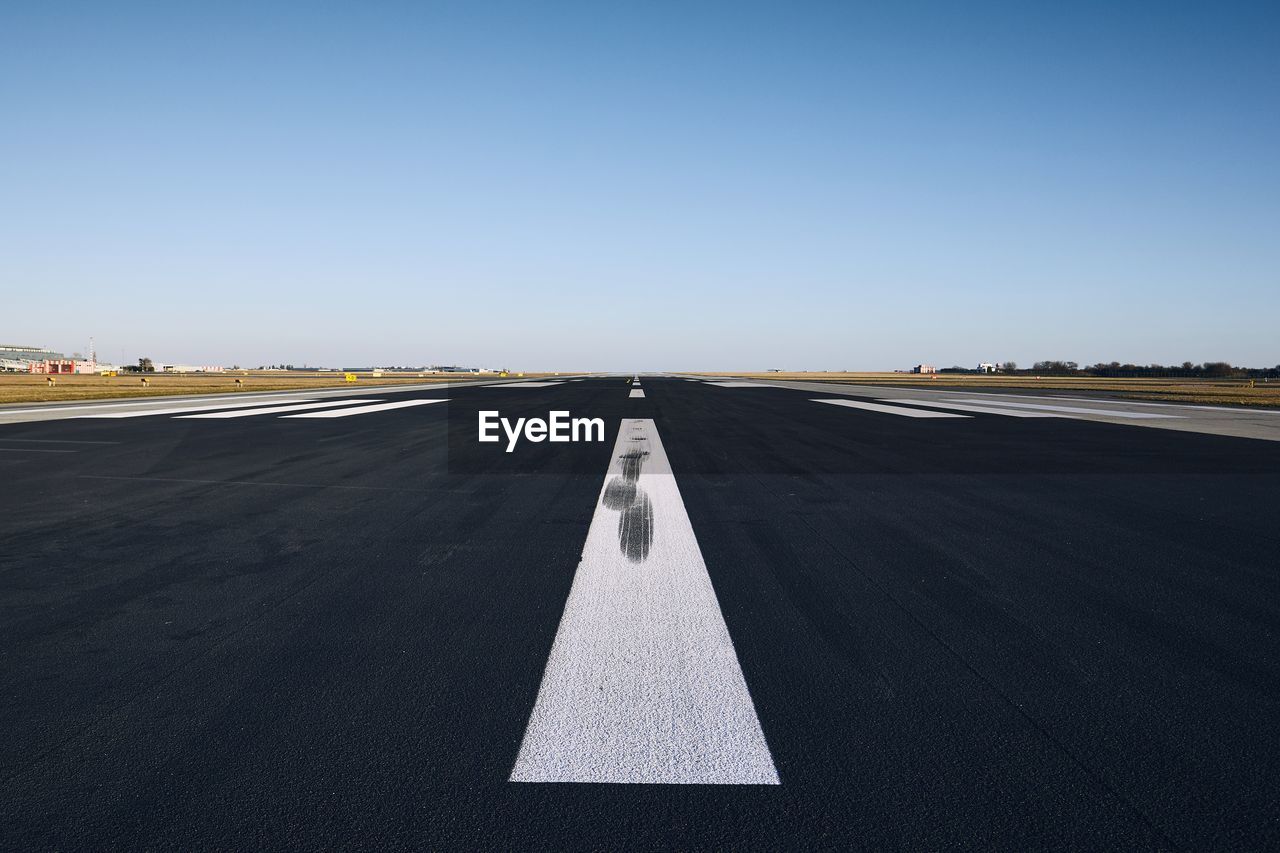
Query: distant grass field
[1222, 392]
[34, 388]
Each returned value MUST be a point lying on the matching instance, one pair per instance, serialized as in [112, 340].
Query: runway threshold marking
[993, 409]
[636, 392]
[1082, 410]
[891, 410]
[196, 408]
[364, 410]
[643, 684]
[271, 410]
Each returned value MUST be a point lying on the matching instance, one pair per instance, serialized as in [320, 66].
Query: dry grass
[1229, 392]
[33, 388]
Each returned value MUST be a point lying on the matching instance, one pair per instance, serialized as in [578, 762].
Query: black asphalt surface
[973, 633]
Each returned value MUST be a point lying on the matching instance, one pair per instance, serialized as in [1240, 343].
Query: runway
[756, 615]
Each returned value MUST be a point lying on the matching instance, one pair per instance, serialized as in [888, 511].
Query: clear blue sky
[642, 185]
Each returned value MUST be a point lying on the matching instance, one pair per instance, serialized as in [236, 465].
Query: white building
[986, 367]
[924, 368]
[188, 368]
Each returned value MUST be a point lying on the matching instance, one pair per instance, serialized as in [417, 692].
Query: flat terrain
[753, 616]
[35, 388]
[1232, 392]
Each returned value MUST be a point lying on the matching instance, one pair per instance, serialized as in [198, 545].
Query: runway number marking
[643, 684]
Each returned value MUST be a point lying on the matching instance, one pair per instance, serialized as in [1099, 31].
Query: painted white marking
[364, 410]
[643, 684]
[891, 410]
[55, 441]
[1057, 398]
[178, 410]
[636, 392]
[1077, 410]
[248, 413]
[739, 385]
[528, 385]
[986, 410]
[205, 403]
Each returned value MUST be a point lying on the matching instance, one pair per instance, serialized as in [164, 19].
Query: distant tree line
[144, 365]
[1208, 370]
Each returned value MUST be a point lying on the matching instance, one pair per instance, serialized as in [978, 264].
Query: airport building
[42, 361]
[15, 358]
[22, 353]
[63, 366]
[924, 368]
[188, 368]
[54, 365]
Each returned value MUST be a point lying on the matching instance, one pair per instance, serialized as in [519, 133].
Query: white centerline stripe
[364, 410]
[177, 410]
[986, 410]
[635, 392]
[891, 410]
[643, 684]
[248, 413]
[1077, 410]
